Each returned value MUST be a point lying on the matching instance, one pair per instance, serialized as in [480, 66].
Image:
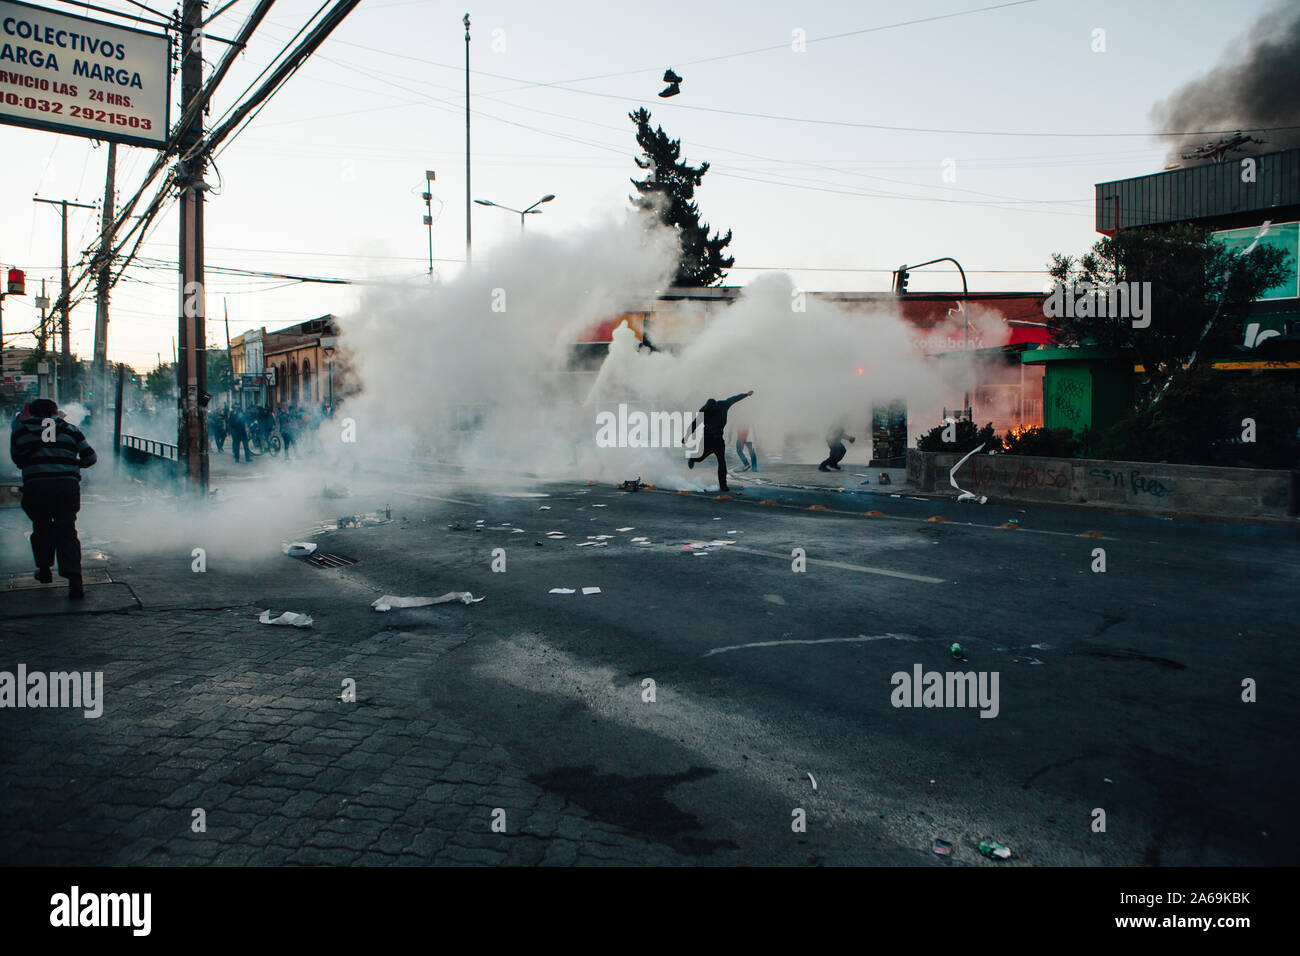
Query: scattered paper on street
[390, 601]
[290, 618]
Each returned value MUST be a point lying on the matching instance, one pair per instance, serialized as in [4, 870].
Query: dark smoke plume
[1255, 89]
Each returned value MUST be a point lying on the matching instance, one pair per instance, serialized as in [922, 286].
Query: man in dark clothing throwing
[51, 454]
[714, 414]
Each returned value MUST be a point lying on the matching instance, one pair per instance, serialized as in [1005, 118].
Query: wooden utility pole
[105, 280]
[64, 304]
[192, 441]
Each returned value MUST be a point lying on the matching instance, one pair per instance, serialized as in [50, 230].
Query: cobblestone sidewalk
[207, 710]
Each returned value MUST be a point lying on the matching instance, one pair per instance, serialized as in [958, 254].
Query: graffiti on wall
[1019, 477]
[1136, 482]
[1068, 395]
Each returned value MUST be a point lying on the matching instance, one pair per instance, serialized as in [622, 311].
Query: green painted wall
[1083, 387]
[1067, 396]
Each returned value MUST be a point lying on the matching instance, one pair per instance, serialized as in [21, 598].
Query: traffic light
[900, 280]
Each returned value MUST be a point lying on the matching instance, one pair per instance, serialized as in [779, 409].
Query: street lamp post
[468, 255]
[965, 315]
[531, 210]
[428, 212]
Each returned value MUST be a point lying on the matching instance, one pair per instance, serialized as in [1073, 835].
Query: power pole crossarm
[64, 305]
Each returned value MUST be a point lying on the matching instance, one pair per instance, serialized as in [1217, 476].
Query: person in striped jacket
[51, 454]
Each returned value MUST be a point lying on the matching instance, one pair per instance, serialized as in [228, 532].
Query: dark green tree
[219, 376]
[161, 381]
[1199, 293]
[668, 192]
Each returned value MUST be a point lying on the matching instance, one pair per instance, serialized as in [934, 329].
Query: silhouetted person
[219, 428]
[288, 431]
[836, 442]
[745, 441]
[714, 415]
[239, 434]
[51, 454]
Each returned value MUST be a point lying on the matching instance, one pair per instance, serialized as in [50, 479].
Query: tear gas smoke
[477, 370]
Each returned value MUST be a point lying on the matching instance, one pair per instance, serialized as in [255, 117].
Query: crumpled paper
[390, 601]
[298, 549]
[291, 618]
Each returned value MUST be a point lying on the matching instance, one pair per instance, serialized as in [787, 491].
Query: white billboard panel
[74, 75]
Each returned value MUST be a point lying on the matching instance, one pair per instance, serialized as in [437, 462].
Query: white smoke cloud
[474, 369]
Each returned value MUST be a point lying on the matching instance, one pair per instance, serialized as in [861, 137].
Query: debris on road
[952, 480]
[591, 590]
[365, 520]
[995, 851]
[556, 535]
[640, 540]
[628, 528]
[813, 779]
[390, 601]
[290, 618]
[957, 653]
[634, 485]
[561, 591]
[298, 549]
[544, 508]
[593, 544]
[941, 847]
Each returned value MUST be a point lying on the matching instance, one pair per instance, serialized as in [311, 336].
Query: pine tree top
[668, 192]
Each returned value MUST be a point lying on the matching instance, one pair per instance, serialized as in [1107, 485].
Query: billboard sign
[1280, 235]
[70, 74]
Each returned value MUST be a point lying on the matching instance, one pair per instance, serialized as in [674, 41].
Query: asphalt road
[1117, 691]
[773, 650]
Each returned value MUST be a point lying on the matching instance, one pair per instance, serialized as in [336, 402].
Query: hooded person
[835, 442]
[713, 414]
[51, 453]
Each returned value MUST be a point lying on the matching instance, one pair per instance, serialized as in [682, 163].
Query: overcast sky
[326, 180]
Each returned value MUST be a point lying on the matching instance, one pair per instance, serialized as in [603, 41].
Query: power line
[786, 46]
[529, 84]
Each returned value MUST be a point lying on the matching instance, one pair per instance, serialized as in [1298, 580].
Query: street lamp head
[547, 198]
[485, 202]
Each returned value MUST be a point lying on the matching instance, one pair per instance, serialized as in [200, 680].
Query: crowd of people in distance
[288, 428]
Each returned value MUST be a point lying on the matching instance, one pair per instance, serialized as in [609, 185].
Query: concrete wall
[1133, 486]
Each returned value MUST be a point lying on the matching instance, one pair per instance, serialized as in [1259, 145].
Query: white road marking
[860, 639]
[455, 501]
[844, 566]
